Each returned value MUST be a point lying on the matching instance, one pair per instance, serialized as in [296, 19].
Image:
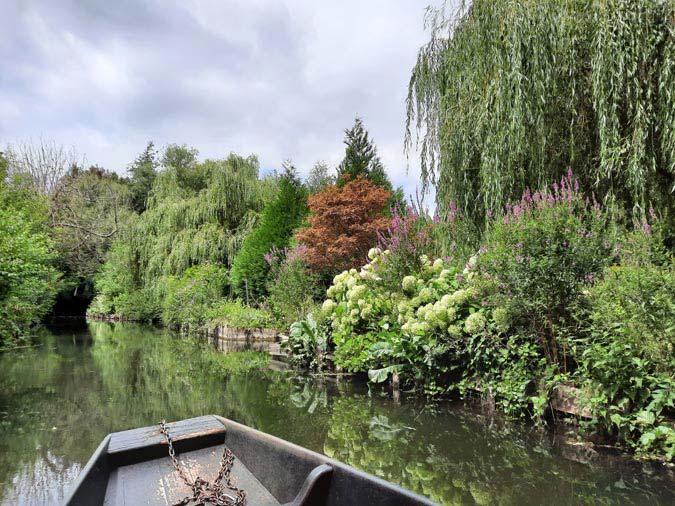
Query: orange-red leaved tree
[343, 225]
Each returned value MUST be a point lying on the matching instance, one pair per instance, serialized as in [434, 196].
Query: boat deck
[155, 482]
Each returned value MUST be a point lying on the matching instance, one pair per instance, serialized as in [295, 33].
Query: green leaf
[381, 375]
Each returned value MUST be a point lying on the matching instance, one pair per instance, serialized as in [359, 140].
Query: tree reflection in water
[59, 400]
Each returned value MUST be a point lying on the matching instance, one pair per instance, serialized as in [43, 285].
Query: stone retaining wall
[226, 339]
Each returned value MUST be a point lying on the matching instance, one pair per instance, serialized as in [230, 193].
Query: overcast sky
[281, 79]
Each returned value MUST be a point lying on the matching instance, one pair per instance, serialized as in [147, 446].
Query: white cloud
[281, 79]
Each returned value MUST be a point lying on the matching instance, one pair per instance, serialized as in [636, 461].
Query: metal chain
[204, 492]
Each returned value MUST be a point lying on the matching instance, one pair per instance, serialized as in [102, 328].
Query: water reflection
[59, 400]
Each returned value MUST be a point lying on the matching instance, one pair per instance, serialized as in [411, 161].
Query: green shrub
[538, 258]
[308, 343]
[627, 355]
[292, 288]
[119, 292]
[279, 218]
[234, 313]
[28, 280]
[189, 298]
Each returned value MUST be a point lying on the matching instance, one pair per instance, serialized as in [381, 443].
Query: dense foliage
[189, 297]
[236, 314]
[556, 297]
[628, 354]
[197, 213]
[510, 94]
[293, 289]
[278, 220]
[28, 278]
[537, 258]
[87, 209]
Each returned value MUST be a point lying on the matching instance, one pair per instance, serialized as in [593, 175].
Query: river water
[58, 400]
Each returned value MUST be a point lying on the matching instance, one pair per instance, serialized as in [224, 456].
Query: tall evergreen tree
[143, 172]
[278, 220]
[361, 158]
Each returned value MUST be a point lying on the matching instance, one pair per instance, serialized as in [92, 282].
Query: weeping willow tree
[197, 213]
[512, 94]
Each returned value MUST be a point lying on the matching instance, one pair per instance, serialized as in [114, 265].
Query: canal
[59, 399]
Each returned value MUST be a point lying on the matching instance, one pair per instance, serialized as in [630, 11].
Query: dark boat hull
[132, 467]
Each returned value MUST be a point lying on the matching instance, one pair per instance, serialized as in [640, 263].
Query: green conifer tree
[279, 218]
[143, 171]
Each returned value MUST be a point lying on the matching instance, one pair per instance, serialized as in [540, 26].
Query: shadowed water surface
[58, 401]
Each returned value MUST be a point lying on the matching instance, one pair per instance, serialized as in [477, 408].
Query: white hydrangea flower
[426, 294]
[419, 328]
[374, 252]
[455, 331]
[459, 297]
[409, 283]
[357, 292]
[440, 312]
[328, 306]
[474, 323]
[501, 317]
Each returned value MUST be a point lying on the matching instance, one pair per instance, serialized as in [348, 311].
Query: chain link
[204, 492]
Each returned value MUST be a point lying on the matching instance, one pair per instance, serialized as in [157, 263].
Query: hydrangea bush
[414, 331]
